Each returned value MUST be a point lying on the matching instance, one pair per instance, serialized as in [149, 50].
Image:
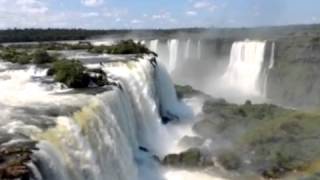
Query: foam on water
[187, 175]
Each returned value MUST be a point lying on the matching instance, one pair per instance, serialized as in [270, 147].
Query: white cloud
[200, 4]
[204, 4]
[92, 3]
[136, 21]
[115, 13]
[90, 14]
[24, 13]
[161, 15]
[191, 13]
[22, 6]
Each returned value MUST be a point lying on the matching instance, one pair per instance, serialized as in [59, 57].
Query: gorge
[141, 126]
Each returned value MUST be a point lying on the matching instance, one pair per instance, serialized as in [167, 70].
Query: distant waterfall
[266, 70]
[273, 45]
[187, 49]
[245, 66]
[199, 49]
[154, 45]
[173, 54]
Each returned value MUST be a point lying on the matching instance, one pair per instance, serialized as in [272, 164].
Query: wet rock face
[14, 157]
[186, 91]
[189, 142]
[192, 158]
[294, 79]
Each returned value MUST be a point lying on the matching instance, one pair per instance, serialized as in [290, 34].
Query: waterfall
[168, 97]
[187, 49]
[102, 139]
[98, 142]
[245, 66]
[272, 55]
[199, 49]
[154, 45]
[173, 54]
[266, 70]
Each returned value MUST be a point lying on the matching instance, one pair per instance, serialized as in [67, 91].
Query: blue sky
[106, 14]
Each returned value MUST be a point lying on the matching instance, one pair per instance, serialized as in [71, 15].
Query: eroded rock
[14, 157]
[192, 158]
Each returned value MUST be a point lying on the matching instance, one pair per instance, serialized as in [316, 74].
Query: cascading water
[199, 50]
[154, 45]
[173, 54]
[98, 142]
[169, 105]
[245, 66]
[94, 137]
[273, 46]
[187, 49]
[266, 70]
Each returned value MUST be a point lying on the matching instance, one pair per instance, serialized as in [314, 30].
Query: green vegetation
[40, 35]
[73, 74]
[192, 158]
[41, 56]
[53, 46]
[229, 160]
[70, 72]
[15, 56]
[21, 56]
[285, 143]
[275, 140]
[123, 47]
[29, 35]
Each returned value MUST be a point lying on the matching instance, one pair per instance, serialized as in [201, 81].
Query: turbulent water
[93, 137]
[115, 133]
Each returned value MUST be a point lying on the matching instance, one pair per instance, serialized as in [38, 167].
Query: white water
[244, 69]
[100, 140]
[187, 175]
[173, 54]
[168, 96]
[187, 49]
[272, 55]
[199, 50]
[154, 45]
